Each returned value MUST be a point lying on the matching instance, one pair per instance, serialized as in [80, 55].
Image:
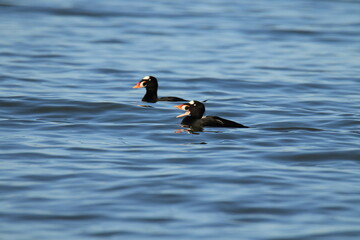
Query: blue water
[81, 157]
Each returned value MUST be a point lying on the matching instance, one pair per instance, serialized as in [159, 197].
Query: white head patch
[146, 78]
[191, 102]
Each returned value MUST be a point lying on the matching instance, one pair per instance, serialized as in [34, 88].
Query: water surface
[83, 158]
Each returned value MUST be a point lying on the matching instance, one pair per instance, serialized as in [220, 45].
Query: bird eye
[185, 107]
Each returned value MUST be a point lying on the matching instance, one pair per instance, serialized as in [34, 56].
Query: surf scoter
[195, 119]
[151, 85]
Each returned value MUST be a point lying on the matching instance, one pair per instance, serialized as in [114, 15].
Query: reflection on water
[189, 130]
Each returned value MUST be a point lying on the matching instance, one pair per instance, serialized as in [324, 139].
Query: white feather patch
[146, 78]
[192, 102]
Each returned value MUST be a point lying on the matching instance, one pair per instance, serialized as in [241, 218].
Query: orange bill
[182, 107]
[179, 106]
[138, 85]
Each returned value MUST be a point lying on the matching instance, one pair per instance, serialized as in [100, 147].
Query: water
[82, 158]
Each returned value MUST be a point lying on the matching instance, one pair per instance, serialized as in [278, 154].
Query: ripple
[110, 41]
[30, 156]
[317, 156]
[55, 217]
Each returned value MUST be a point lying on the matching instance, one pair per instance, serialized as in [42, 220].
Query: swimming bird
[195, 117]
[151, 85]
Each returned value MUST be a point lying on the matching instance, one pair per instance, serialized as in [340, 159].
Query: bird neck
[150, 95]
[197, 115]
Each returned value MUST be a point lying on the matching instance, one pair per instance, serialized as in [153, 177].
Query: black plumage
[196, 120]
[151, 85]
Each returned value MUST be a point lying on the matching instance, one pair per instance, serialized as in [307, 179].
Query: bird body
[151, 85]
[195, 117]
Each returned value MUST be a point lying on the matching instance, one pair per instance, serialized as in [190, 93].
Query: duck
[151, 85]
[196, 120]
